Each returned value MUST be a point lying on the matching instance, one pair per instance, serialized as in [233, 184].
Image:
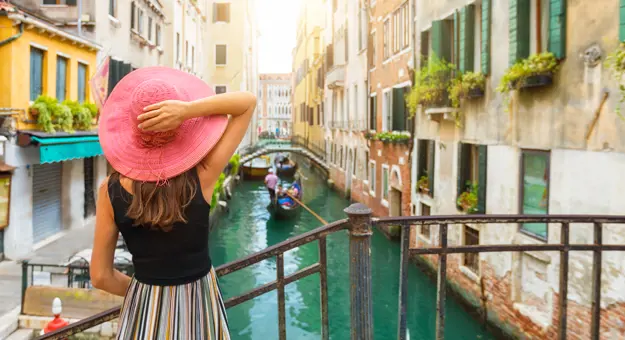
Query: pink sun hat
[156, 156]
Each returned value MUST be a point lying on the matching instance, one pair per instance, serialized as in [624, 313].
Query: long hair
[160, 206]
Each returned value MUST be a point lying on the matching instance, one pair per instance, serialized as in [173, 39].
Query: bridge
[284, 146]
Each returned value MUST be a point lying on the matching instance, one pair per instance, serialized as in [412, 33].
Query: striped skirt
[194, 311]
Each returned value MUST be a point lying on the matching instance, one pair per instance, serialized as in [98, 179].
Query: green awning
[59, 149]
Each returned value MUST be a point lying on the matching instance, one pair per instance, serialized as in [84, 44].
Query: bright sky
[277, 21]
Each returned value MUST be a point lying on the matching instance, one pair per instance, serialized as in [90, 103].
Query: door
[89, 190]
[46, 200]
[395, 202]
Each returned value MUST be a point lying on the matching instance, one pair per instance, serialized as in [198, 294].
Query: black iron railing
[360, 225]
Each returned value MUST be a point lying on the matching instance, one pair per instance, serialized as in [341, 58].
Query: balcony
[335, 78]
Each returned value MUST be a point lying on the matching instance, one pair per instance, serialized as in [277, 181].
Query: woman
[168, 137]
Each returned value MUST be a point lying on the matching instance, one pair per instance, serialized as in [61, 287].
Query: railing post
[360, 231]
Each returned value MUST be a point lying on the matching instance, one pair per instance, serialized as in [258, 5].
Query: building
[185, 38]
[346, 95]
[275, 105]
[388, 186]
[55, 176]
[231, 50]
[308, 64]
[549, 144]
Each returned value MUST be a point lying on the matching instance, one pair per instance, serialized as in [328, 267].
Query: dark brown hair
[160, 206]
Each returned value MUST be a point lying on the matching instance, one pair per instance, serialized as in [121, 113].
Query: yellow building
[54, 176]
[308, 77]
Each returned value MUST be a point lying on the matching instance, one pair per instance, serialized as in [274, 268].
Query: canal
[248, 228]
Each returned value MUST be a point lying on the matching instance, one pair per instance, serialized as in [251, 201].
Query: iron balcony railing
[359, 225]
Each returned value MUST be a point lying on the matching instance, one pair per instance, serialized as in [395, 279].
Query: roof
[7, 7]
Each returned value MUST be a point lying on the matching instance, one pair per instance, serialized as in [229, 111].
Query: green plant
[462, 85]
[394, 137]
[537, 64]
[63, 117]
[81, 114]
[616, 62]
[217, 190]
[423, 183]
[468, 199]
[430, 83]
[235, 162]
[45, 106]
[370, 134]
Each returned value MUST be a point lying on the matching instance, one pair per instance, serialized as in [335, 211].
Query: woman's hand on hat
[163, 116]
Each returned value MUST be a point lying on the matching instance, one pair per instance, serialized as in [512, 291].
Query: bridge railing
[360, 224]
[319, 151]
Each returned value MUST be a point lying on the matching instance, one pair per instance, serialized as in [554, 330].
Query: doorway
[395, 202]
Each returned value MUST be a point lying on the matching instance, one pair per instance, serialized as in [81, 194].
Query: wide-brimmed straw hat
[156, 156]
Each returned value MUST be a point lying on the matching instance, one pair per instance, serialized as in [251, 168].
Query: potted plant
[394, 137]
[535, 71]
[424, 184]
[369, 135]
[469, 85]
[467, 201]
[431, 84]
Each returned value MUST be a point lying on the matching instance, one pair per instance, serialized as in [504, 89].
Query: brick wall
[391, 155]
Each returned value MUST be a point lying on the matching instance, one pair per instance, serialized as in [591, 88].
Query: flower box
[475, 93]
[536, 80]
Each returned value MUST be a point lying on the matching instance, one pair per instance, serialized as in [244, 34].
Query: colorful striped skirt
[193, 311]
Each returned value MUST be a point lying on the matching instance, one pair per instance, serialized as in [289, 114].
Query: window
[113, 8]
[535, 190]
[133, 10]
[149, 28]
[346, 100]
[425, 229]
[373, 112]
[187, 55]
[530, 32]
[400, 118]
[397, 34]
[346, 35]
[372, 177]
[60, 2]
[539, 30]
[158, 35]
[471, 238]
[221, 12]
[220, 89]
[355, 106]
[374, 45]
[425, 166]
[221, 57]
[386, 48]
[82, 82]
[385, 183]
[425, 47]
[472, 174]
[386, 110]
[140, 21]
[177, 46]
[61, 78]
[406, 26]
[354, 162]
[367, 172]
[193, 58]
[36, 72]
[363, 21]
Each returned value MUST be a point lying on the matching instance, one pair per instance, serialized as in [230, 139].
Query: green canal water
[248, 228]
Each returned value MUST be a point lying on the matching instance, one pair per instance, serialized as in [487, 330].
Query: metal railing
[319, 151]
[360, 226]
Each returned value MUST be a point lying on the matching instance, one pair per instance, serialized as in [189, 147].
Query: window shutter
[482, 180]
[432, 150]
[467, 38]
[486, 14]
[425, 47]
[464, 159]
[456, 37]
[519, 30]
[421, 161]
[621, 29]
[557, 27]
[399, 110]
[113, 74]
[441, 40]
[372, 113]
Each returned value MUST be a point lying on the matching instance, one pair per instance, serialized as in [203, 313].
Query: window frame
[372, 177]
[140, 21]
[86, 82]
[113, 8]
[386, 170]
[150, 23]
[157, 35]
[386, 48]
[65, 87]
[387, 109]
[475, 256]
[216, 14]
[133, 15]
[42, 90]
[178, 54]
[225, 56]
[521, 190]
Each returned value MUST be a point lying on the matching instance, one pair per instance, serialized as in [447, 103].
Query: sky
[277, 21]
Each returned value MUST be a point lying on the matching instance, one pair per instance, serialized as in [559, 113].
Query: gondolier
[270, 182]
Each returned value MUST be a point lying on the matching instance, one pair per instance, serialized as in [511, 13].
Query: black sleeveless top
[165, 258]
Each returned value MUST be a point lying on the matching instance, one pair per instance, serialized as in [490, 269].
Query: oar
[307, 208]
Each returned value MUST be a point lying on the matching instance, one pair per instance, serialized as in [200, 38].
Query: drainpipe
[13, 37]
[79, 25]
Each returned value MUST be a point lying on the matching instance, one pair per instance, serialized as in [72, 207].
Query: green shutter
[421, 161]
[486, 19]
[374, 113]
[519, 30]
[399, 110]
[456, 37]
[557, 27]
[464, 160]
[432, 150]
[441, 39]
[621, 30]
[467, 38]
[482, 181]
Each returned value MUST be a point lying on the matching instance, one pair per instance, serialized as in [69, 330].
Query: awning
[59, 149]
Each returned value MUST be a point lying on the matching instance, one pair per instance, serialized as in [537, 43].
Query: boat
[285, 167]
[257, 168]
[283, 211]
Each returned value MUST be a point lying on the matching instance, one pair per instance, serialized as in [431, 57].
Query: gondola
[286, 212]
[257, 168]
[285, 167]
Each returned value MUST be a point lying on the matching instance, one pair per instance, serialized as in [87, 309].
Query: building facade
[388, 187]
[231, 50]
[550, 144]
[308, 64]
[275, 105]
[184, 37]
[54, 176]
